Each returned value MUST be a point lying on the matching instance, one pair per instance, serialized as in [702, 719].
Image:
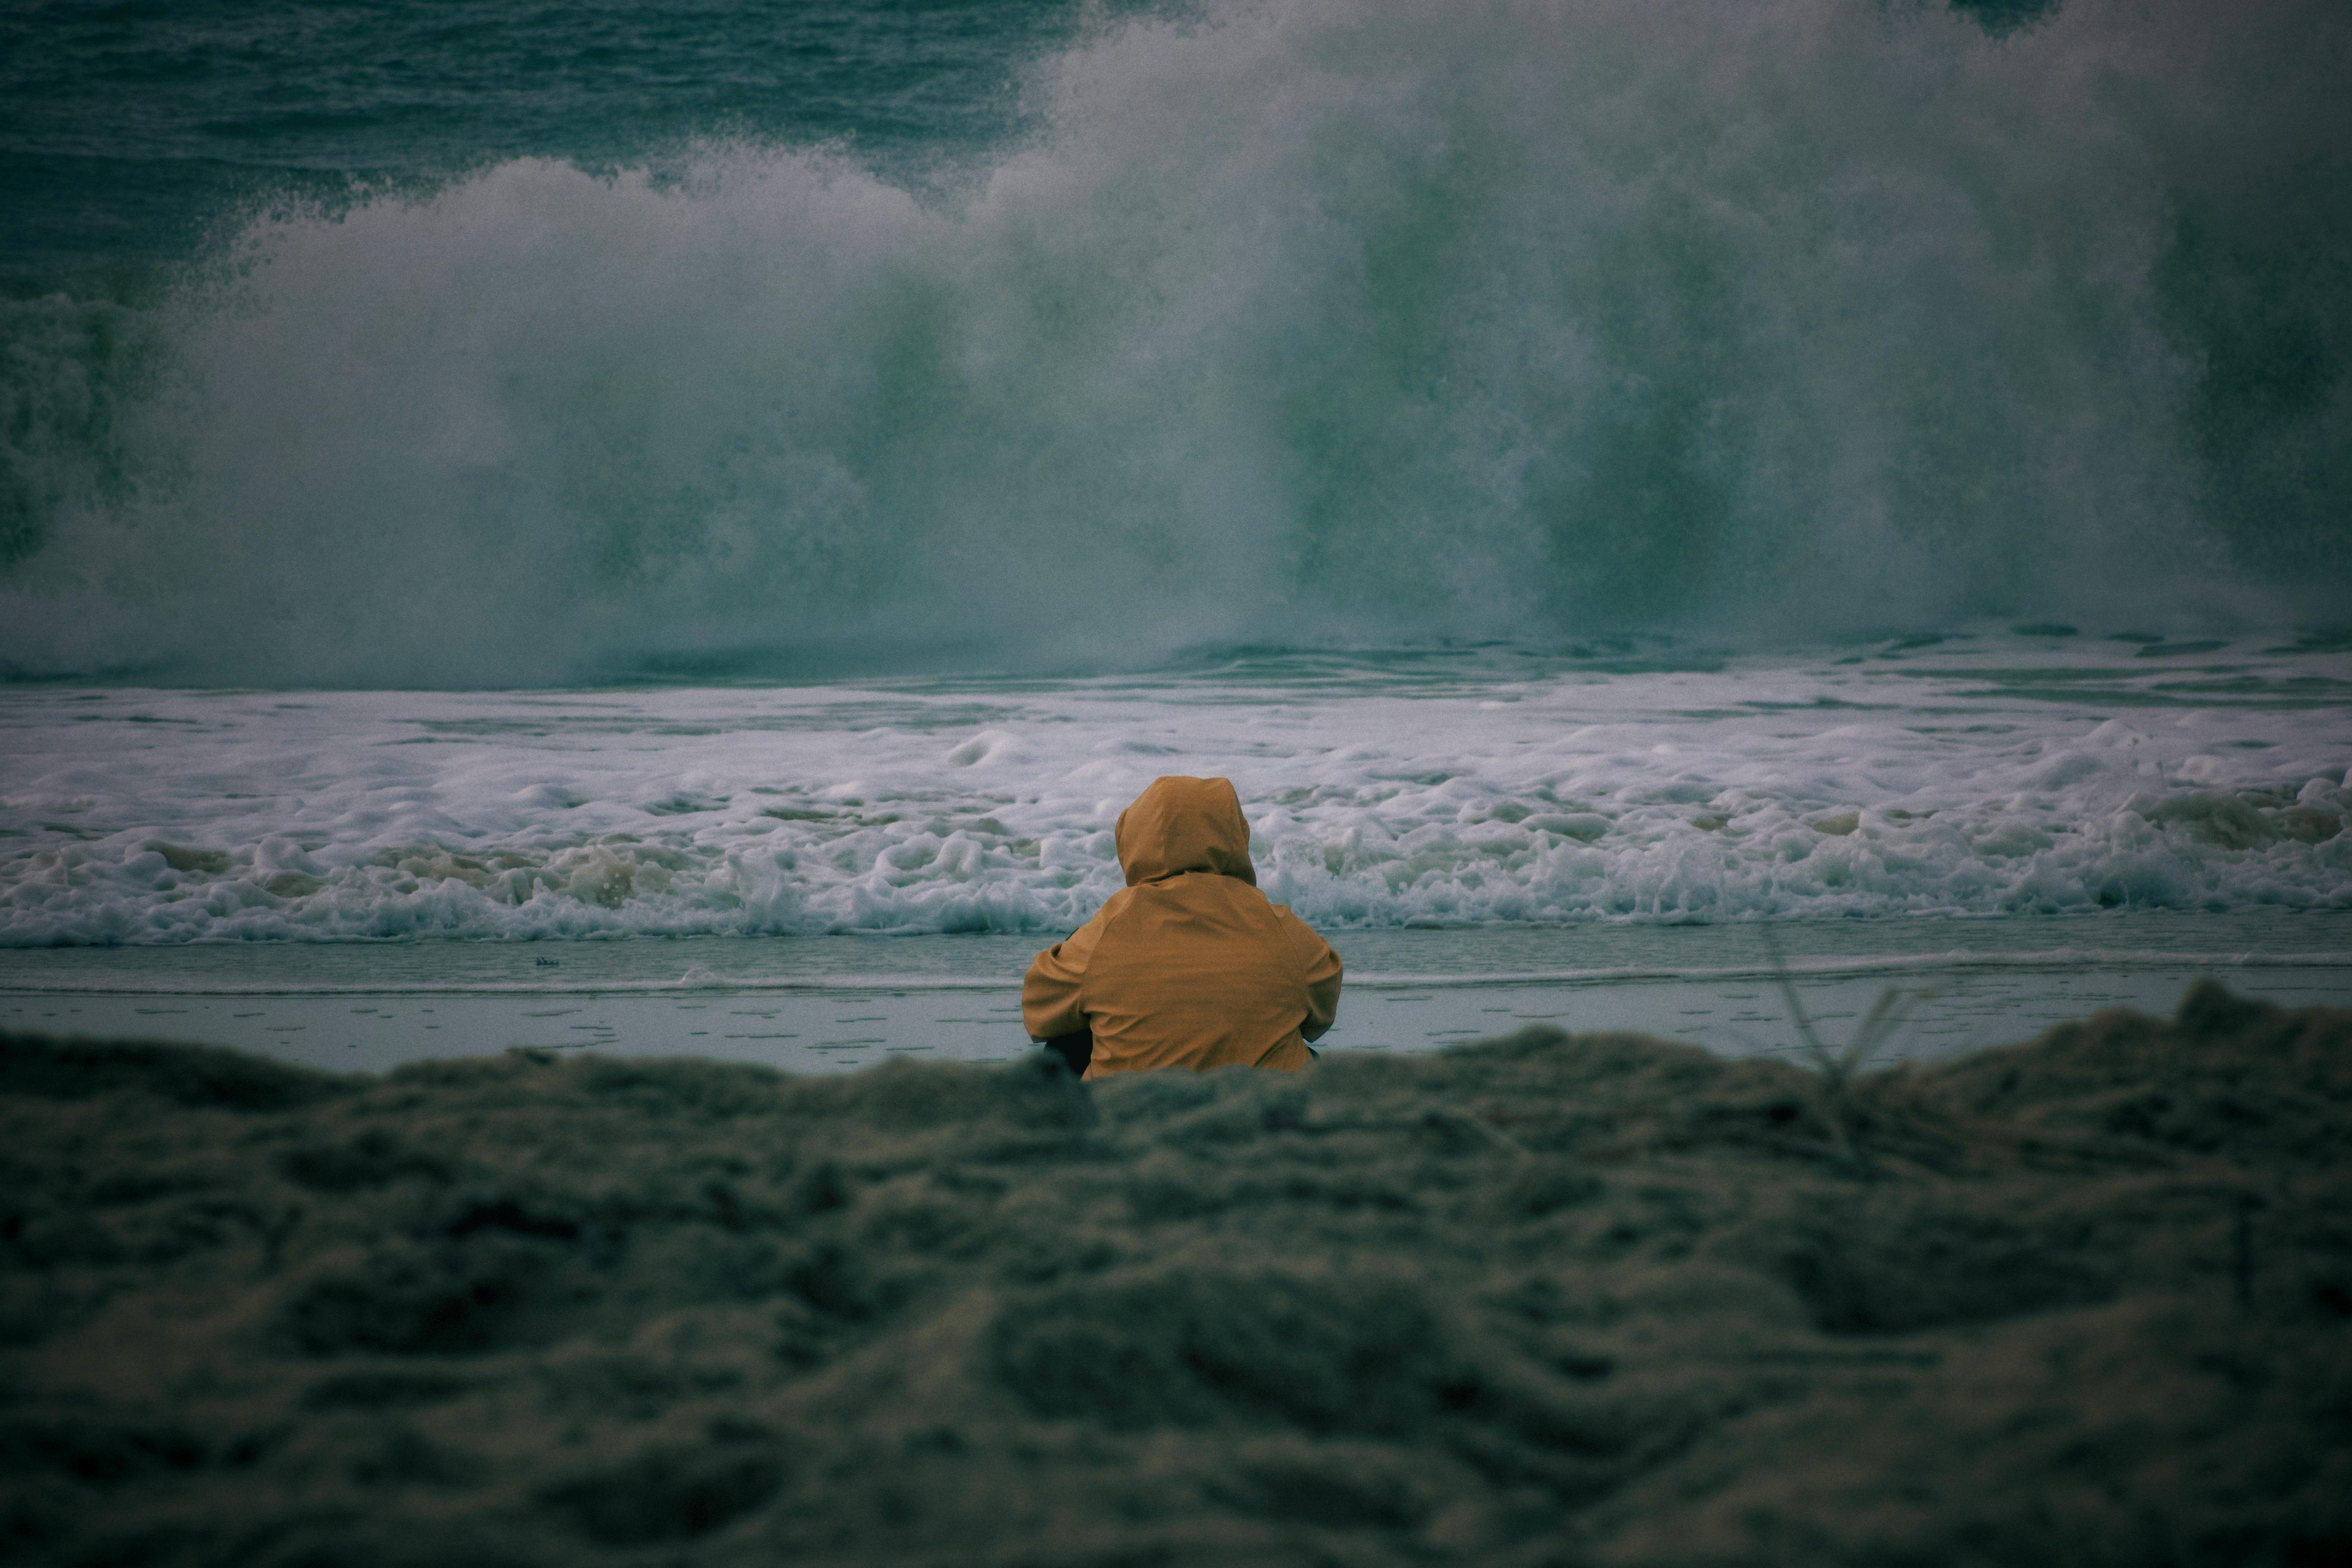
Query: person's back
[1190, 965]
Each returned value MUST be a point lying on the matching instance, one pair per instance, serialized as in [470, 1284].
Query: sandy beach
[1545, 1299]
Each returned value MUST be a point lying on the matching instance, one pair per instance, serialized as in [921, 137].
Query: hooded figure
[1189, 965]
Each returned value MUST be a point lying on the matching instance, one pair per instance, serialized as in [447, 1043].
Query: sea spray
[1295, 323]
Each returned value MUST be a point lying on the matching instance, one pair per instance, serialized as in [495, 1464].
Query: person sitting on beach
[1190, 965]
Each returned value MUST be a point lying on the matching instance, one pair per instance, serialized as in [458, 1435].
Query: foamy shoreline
[1809, 783]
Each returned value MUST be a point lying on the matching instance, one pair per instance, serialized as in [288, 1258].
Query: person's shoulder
[1298, 930]
[1082, 941]
[1118, 904]
[1203, 891]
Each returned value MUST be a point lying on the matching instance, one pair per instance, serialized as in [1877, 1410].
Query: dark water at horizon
[128, 131]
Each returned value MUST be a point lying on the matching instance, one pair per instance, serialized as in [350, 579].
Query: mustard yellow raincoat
[1190, 965]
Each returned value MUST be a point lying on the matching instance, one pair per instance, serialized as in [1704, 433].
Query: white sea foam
[1979, 776]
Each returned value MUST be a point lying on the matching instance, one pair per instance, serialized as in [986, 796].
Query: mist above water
[1296, 323]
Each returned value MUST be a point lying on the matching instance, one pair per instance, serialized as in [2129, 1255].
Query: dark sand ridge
[1544, 1299]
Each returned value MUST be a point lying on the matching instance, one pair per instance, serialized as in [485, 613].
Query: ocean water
[1966, 776]
[769, 477]
[454, 345]
[828, 876]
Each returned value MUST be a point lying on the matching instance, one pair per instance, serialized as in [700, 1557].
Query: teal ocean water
[474, 345]
[133, 132]
[476, 474]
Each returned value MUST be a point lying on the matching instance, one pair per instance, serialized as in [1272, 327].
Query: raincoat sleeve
[1049, 993]
[1323, 971]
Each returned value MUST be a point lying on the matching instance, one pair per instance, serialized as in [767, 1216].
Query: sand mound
[1544, 1299]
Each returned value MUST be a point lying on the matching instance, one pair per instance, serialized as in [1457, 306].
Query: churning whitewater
[1984, 775]
[1298, 323]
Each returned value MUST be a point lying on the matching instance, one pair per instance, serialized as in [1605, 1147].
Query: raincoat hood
[1185, 825]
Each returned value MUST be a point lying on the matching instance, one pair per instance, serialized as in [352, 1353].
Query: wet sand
[1546, 1298]
[832, 1004]
[820, 1029]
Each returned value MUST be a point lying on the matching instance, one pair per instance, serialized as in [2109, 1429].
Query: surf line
[2055, 959]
